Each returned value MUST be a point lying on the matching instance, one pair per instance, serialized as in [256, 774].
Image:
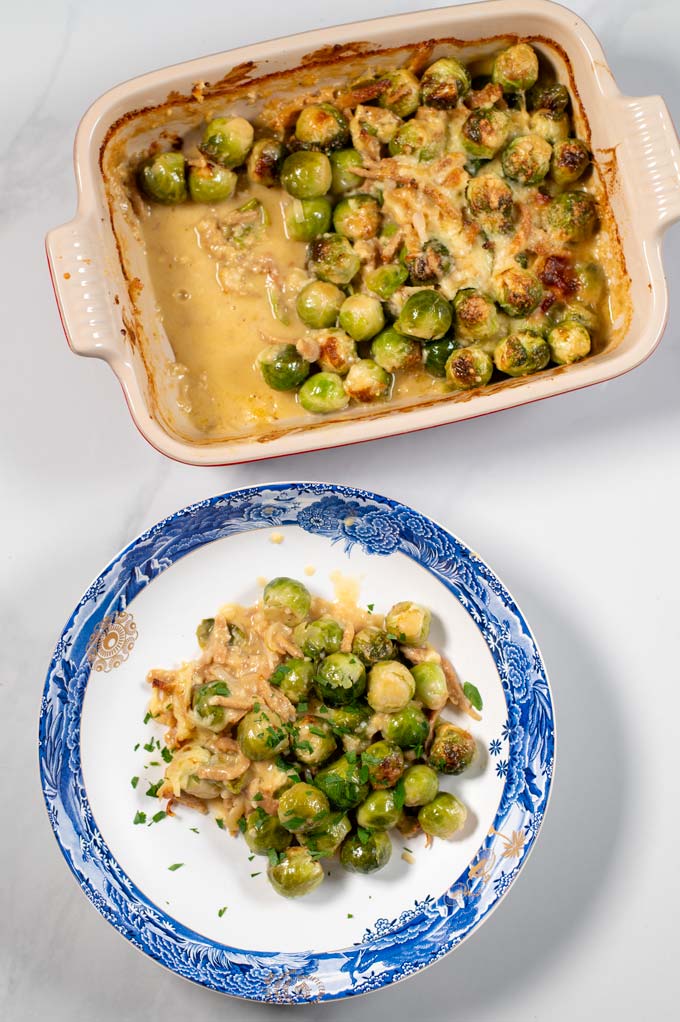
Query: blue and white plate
[214, 918]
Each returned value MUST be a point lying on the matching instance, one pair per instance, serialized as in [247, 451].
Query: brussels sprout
[372, 644]
[551, 99]
[569, 342]
[522, 353]
[343, 178]
[204, 631]
[444, 83]
[409, 622]
[452, 750]
[384, 762]
[379, 811]
[306, 219]
[468, 368]
[591, 282]
[332, 258]
[527, 159]
[265, 161]
[421, 785]
[553, 129]
[319, 638]
[318, 304]
[337, 351]
[430, 264]
[390, 687]
[264, 832]
[286, 599]
[408, 728]
[570, 160]
[516, 69]
[321, 126]
[431, 688]
[312, 740]
[347, 721]
[296, 874]
[572, 216]
[322, 393]
[357, 217]
[211, 183]
[326, 840]
[401, 94]
[361, 317]
[294, 677]
[476, 315]
[491, 203]
[341, 782]
[518, 291]
[208, 715]
[392, 351]
[302, 807]
[340, 679]
[367, 381]
[306, 175]
[485, 132]
[387, 279]
[579, 311]
[418, 139]
[425, 314]
[443, 816]
[163, 178]
[227, 140]
[366, 854]
[437, 354]
[282, 366]
[261, 735]
[200, 788]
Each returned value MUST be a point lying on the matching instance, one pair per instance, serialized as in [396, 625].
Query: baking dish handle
[84, 303]
[651, 134]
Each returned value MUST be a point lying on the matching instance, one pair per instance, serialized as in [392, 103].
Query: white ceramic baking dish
[97, 261]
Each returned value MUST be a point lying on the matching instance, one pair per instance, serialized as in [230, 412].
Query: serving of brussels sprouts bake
[314, 729]
[424, 230]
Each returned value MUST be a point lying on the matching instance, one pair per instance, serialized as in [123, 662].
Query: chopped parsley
[166, 754]
[471, 692]
[273, 857]
[220, 823]
[399, 794]
[157, 817]
[221, 911]
[140, 817]
[194, 830]
[363, 774]
[363, 835]
[152, 790]
[149, 746]
[256, 707]
[370, 607]
[175, 866]
[147, 716]
[313, 730]
[254, 874]
[134, 781]
[302, 707]
[305, 746]
[258, 797]
[136, 747]
[350, 916]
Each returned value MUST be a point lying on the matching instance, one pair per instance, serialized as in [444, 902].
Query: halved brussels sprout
[421, 785]
[443, 816]
[452, 750]
[265, 161]
[409, 622]
[337, 351]
[264, 832]
[209, 715]
[476, 315]
[394, 351]
[527, 159]
[227, 140]
[357, 217]
[553, 128]
[425, 314]
[306, 219]
[332, 258]
[326, 840]
[570, 160]
[431, 688]
[323, 393]
[491, 203]
[211, 183]
[516, 69]
[343, 178]
[485, 132]
[163, 178]
[569, 342]
[418, 139]
[384, 762]
[390, 687]
[361, 316]
[444, 83]
[401, 94]
[319, 638]
[572, 216]
[294, 677]
[408, 728]
[372, 644]
[518, 291]
[430, 264]
[318, 304]
[366, 855]
[367, 381]
[204, 631]
[347, 721]
[591, 282]
[286, 599]
[302, 807]
[282, 366]
[437, 353]
[550, 99]
[312, 740]
[387, 279]
[261, 735]
[582, 313]
[379, 811]
[296, 874]
[340, 679]
[321, 126]
[522, 353]
[468, 368]
[306, 175]
[341, 782]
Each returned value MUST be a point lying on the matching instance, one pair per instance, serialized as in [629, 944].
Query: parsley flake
[220, 822]
[147, 717]
[157, 817]
[370, 607]
[140, 817]
[471, 692]
[175, 866]
[149, 746]
[254, 874]
[166, 754]
[152, 790]
[221, 911]
[134, 781]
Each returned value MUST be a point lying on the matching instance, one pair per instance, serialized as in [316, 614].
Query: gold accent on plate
[112, 641]
[294, 986]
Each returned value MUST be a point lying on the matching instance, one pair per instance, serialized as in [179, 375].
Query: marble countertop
[574, 502]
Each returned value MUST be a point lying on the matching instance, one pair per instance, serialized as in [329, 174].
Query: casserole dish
[98, 262]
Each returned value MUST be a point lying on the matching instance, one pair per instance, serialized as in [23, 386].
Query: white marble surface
[574, 501]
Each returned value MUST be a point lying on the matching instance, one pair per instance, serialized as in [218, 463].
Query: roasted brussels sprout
[326, 840]
[347, 721]
[553, 128]
[306, 175]
[261, 735]
[485, 132]
[341, 782]
[591, 282]
[384, 762]
[322, 393]
[401, 94]
[312, 740]
[265, 161]
[357, 217]
[550, 99]
[318, 304]
[302, 807]
[211, 183]
[408, 622]
[361, 316]
[359, 854]
[163, 178]
[468, 368]
[340, 679]
[387, 279]
[452, 750]
[204, 631]
[306, 219]
[527, 159]
[572, 216]
[579, 311]
[491, 203]
[431, 688]
[227, 140]
[408, 728]
[390, 687]
[319, 638]
[425, 314]
[294, 677]
[264, 832]
[332, 258]
[343, 178]
[337, 352]
[569, 342]
[476, 316]
[418, 139]
[430, 264]
[522, 353]
[437, 353]
[367, 381]
[296, 874]
[207, 714]
[444, 83]
[282, 366]
[372, 644]
[570, 160]
[516, 69]
[286, 599]
[394, 351]
[518, 291]
[421, 785]
[443, 816]
[379, 811]
[321, 126]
